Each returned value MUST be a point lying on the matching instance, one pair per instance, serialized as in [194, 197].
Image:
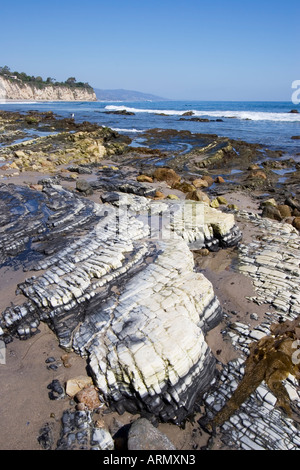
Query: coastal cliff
[15, 89]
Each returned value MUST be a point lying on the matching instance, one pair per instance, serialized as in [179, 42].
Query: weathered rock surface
[272, 262]
[117, 292]
[80, 433]
[144, 436]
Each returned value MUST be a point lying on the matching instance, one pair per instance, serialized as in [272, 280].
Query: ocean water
[268, 123]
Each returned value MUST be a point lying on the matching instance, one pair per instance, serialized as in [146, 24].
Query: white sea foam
[125, 130]
[149, 111]
[242, 115]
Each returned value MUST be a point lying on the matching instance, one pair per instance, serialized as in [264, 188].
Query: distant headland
[125, 95]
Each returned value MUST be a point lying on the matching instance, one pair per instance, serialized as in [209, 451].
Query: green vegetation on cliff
[38, 81]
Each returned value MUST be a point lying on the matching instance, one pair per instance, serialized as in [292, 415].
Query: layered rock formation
[252, 398]
[15, 89]
[124, 296]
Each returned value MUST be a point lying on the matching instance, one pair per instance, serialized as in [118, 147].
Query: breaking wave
[241, 115]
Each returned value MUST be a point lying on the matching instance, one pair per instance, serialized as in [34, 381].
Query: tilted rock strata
[153, 348]
[197, 223]
[272, 261]
[130, 303]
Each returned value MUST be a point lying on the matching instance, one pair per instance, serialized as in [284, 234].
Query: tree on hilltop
[71, 80]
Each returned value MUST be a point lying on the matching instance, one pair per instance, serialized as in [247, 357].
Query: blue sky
[192, 49]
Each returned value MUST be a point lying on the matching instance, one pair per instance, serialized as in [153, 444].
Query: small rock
[200, 183]
[84, 187]
[65, 359]
[202, 252]
[45, 438]
[214, 203]
[257, 174]
[20, 154]
[89, 397]
[14, 166]
[144, 436]
[233, 207]
[102, 439]
[184, 187]
[50, 359]
[296, 223]
[219, 180]
[57, 392]
[208, 179]
[172, 197]
[159, 195]
[222, 200]
[144, 179]
[37, 187]
[76, 384]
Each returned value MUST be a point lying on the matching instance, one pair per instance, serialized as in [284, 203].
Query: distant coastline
[126, 95]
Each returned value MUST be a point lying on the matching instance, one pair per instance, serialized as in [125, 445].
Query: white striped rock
[126, 298]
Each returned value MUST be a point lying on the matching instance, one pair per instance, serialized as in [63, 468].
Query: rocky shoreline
[123, 252]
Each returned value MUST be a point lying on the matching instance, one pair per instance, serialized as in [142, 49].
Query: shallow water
[268, 123]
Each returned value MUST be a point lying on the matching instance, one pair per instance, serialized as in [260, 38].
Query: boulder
[198, 195]
[271, 212]
[168, 175]
[208, 179]
[200, 183]
[144, 436]
[285, 210]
